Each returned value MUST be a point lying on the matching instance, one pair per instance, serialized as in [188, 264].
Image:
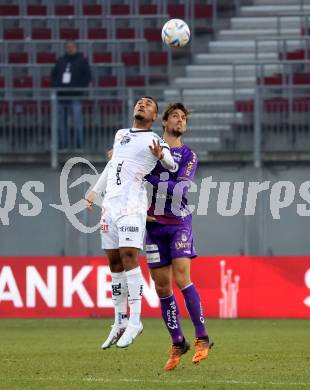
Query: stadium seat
[45, 82]
[158, 58]
[18, 58]
[120, 9]
[92, 10]
[13, 34]
[23, 82]
[301, 78]
[97, 33]
[176, 11]
[297, 55]
[135, 81]
[131, 58]
[275, 79]
[2, 82]
[148, 9]
[4, 107]
[69, 33]
[41, 33]
[107, 81]
[102, 57]
[125, 33]
[9, 10]
[64, 10]
[152, 34]
[202, 11]
[36, 10]
[46, 58]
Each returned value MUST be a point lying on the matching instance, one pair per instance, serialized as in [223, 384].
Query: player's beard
[139, 118]
[176, 133]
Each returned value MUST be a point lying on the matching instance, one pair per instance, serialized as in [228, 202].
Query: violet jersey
[186, 161]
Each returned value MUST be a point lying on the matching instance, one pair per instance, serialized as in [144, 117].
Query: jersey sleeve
[188, 166]
[101, 184]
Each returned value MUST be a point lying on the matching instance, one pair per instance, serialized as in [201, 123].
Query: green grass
[65, 354]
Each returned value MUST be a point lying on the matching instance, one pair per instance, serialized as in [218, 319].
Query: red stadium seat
[9, 10]
[246, 106]
[135, 81]
[97, 33]
[41, 33]
[107, 81]
[148, 9]
[2, 82]
[101, 58]
[23, 82]
[120, 9]
[202, 11]
[18, 58]
[64, 10]
[125, 33]
[176, 10]
[69, 33]
[46, 82]
[46, 58]
[275, 79]
[152, 34]
[295, 55]
[301, 78]
[36, 10]
[158, 58]
[13, 33]
[131, 58]
[92, 9]
[4, 107]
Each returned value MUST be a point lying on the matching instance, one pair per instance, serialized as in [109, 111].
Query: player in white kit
[136, 151]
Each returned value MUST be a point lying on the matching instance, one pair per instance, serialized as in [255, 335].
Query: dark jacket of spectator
[78, 67]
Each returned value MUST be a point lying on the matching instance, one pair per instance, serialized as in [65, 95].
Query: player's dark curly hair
[174, 106]
[148, 97]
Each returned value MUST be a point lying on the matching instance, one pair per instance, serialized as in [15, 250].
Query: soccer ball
[175, 33]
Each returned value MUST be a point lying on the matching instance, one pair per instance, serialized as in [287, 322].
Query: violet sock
[170, 314]
[194, 307]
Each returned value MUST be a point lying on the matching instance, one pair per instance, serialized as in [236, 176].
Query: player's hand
[89, 200]
[110, 154]
[157, 150]
[150, 219]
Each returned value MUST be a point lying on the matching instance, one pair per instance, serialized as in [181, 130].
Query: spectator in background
[71, 71]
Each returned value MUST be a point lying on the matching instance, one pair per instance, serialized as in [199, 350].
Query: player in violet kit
[169, 240]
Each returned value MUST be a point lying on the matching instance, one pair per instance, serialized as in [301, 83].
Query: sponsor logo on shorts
[153, 257]
[131, 229]
[182, 245]
[104, 227]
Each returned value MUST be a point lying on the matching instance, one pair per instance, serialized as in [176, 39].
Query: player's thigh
[181, 269]
[162, 277]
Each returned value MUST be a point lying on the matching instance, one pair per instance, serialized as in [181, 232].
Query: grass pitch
[65, 354]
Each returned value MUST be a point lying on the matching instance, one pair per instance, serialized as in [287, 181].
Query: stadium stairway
[207, 87]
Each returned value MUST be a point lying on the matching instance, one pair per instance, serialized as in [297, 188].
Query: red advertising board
[230, 287]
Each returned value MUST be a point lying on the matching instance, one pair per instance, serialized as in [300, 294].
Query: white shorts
[122, 231]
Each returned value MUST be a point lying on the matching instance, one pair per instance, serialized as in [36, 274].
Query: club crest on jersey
[184, 237]
[125, 140]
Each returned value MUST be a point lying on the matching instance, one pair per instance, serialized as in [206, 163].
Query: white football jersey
[132, 160]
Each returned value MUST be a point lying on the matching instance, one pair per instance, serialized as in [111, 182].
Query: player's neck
[172, 141]
[141, 125]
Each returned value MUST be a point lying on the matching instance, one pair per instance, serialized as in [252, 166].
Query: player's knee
[129, 259]
[162, 290]
[181, 280]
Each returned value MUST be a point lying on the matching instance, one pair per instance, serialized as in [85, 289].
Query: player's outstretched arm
[99, 187]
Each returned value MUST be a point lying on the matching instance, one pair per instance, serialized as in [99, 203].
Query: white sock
[135, 289]
[119, 297]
